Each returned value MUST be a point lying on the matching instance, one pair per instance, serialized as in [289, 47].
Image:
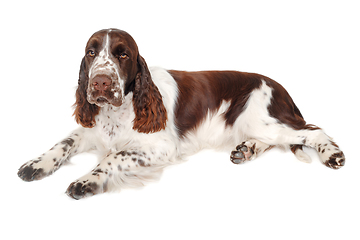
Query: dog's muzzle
[103, 90]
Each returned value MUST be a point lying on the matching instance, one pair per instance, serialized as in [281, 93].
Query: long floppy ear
[150, 112]
[84, 111]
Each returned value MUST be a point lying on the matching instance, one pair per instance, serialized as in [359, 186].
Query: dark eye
[90, 53]
[123, 56]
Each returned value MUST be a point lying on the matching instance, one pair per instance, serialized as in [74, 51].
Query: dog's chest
[113, 123]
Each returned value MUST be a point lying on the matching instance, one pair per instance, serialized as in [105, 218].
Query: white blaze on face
[104, 65]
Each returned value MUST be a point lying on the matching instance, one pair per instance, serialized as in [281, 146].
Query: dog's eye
[123, 56]
[90, 53]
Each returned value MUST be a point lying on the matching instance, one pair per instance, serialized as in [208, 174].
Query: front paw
[81, 189]
[28, 172]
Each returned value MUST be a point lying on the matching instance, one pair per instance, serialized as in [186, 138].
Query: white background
[310, 47]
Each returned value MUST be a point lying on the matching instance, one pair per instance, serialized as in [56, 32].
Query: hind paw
[336, 161]
[242, 153]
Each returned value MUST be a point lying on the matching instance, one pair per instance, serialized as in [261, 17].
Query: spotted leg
[248, 150]
[329, 152]
[118, 170]
[52, 160]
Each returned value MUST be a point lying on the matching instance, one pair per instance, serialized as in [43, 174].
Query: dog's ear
[84, 111]
[150, 112]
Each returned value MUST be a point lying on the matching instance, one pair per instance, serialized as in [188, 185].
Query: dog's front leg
[117, 170]
[50, 161]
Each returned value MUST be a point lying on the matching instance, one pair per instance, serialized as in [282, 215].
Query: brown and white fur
[140, 120]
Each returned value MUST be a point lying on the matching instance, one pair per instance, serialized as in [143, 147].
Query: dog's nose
[101, 83]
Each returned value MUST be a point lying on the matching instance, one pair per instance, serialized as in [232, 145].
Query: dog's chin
[102, 102]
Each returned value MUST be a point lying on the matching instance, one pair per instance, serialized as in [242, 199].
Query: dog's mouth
[104, 99]
[101, 101]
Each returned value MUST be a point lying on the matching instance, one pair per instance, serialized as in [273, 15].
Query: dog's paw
[243, 152]
[83, 188]
[78, 190]
[31, 171]
[336, 160]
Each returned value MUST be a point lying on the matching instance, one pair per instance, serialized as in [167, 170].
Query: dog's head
[111, 68]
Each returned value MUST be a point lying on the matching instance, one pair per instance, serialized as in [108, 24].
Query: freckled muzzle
[104, 89]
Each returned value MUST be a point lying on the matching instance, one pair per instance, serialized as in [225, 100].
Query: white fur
[212, 133]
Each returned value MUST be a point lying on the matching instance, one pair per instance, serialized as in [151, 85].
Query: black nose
[101, 83]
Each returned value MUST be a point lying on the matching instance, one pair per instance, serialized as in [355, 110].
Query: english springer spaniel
[141, 120]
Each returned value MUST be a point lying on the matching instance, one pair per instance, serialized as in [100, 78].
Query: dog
[140, 119]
